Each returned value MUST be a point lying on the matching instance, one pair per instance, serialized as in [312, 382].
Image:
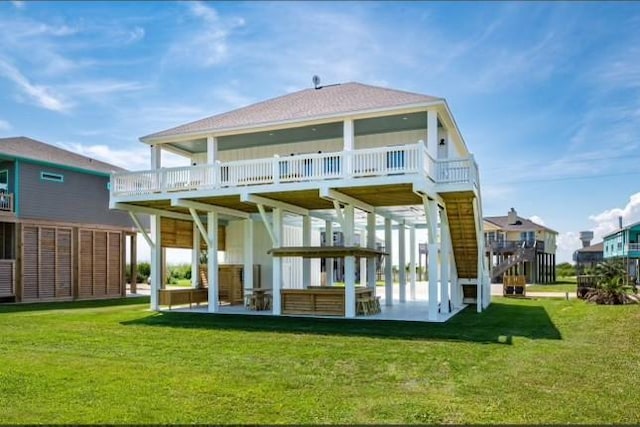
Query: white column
[388, 276]
[212, 149]
[456, 292]
[432, 218]
[195, 257]
[306, 241]
[349, 265]
[348, 145]
[444, 264]
[432, 133]
[328, 233]
[412, 263]
[248, 254]
[371, 244]
[156, 157]
[402, 273]
[363, 261]
[277, 263]
[156, 260]
[212, 260]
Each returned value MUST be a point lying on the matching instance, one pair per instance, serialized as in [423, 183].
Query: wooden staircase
[464, 239]
[520, 255]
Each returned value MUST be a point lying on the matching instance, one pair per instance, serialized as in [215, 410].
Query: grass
[522, 361]
[563, 284]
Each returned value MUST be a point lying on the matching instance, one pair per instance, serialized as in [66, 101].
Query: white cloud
[104, 87]
[43, 96]
[208, 44]
[5, 125]
[567, 243]
[135, 158]
[537, 220]
[19, 4]
[607, 221]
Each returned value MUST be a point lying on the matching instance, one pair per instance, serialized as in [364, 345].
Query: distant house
[624, 244]
[58, 238]
[588, 257]
[516, 245]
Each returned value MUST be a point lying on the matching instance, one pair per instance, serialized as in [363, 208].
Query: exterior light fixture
[442, 141]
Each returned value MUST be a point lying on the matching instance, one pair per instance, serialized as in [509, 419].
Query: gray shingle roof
[302, 105]
[522, 224]
[28, 148]
[598, 247]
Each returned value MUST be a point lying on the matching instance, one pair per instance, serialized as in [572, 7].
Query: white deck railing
[633, 247]
[370, 162]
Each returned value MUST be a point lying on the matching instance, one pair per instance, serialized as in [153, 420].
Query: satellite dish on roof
[316, 82]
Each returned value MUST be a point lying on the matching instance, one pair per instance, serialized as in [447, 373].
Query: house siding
[80, 198]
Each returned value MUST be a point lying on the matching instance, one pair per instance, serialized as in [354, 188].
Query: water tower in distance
[586, 237]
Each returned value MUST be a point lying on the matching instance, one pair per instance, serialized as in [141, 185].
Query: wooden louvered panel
[7, 278]
[29, 263]
[100, 263]
[63, 263]
[85, 261]
[114, 286]
[47, 282]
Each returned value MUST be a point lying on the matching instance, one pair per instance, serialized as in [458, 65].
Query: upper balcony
[411, 160]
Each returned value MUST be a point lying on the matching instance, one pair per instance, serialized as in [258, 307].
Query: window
[4, 180]
[49, 176]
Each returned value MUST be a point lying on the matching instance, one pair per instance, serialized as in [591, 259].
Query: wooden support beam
[141, 229]
[209, 208]
[267, 224]
[200, 225]
[259, 200]
[330, 194]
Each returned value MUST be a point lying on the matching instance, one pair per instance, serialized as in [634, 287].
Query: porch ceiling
[395, 123]
[397, 200]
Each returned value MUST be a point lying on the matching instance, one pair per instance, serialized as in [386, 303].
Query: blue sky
[547, 95]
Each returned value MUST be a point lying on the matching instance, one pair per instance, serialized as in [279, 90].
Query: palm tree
[611, 284]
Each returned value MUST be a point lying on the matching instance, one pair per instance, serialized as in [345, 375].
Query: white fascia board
[259, 200]
[284, 124]
[151, 211]
[209, 208]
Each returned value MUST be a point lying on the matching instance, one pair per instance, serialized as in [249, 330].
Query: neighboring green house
[624, 244]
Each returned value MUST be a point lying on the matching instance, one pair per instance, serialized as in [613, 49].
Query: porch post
[328, 234]
[402, 276]
[444, 263]
[248, 254]
[412, 263]
[371, 244]
[348, 146]
[432, 218]
[133, 263]
[306, 241]
[212, 150]
[156, 157]
[277, 262]
[349, 265]
[388, 276]
[363, 261]
[156, 261]
[195, 257]
[212, 260]
[432, 133]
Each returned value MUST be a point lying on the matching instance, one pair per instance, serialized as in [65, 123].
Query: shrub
[144, 271]
[611, 287]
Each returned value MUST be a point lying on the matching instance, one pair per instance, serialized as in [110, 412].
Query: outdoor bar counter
[318, 300]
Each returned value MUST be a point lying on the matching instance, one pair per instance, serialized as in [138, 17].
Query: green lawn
[563, 284]
[522, 361]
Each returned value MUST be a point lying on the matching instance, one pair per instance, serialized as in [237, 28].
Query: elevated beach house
[58, 238]
[519, 246]
[267, 180]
